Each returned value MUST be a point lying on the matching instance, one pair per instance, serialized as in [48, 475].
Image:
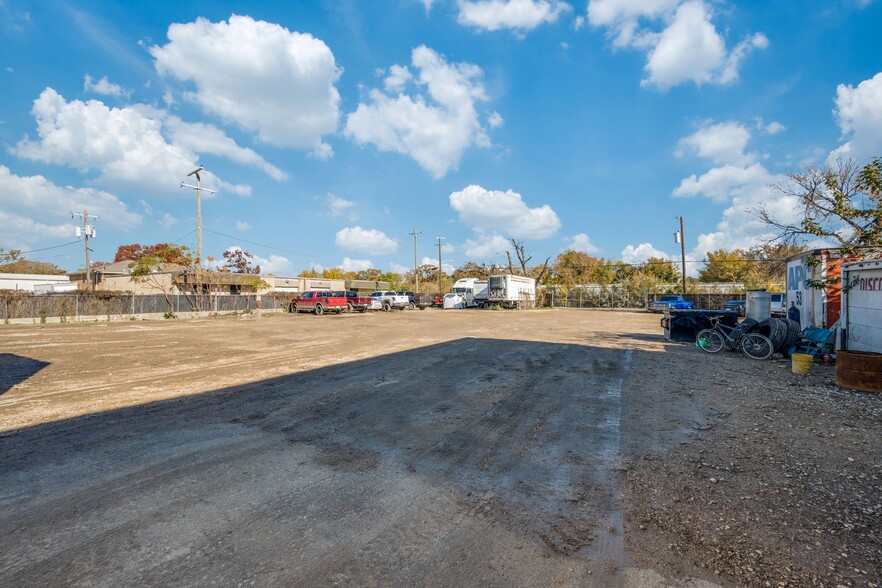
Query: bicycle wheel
[756, 346]
[713, 340]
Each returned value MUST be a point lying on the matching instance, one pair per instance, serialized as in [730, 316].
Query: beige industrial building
[175, 279]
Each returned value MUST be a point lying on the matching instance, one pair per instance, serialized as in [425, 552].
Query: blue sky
[332, 129]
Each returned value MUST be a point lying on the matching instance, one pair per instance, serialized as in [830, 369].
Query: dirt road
[410, 448]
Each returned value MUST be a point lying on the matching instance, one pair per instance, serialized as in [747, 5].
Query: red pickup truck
[319, 302]
[354, 302]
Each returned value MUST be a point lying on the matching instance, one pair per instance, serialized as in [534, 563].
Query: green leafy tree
[372, 274]
[396, 281]
[156, 273]
[26, 266]
[662, 270]
[840, 202]
[726, 266]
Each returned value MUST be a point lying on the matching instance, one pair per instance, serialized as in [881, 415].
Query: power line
[256, 243]
[183, 236]
[48, 248]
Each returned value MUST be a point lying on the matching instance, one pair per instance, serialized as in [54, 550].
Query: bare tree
[840, 202]
[523, 259]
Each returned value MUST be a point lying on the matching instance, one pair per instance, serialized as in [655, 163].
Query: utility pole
[440, 291]
[679, 238]
[198, 187]
[416, 273]
[87, 231]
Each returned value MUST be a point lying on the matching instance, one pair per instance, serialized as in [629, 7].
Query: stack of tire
[782, 332]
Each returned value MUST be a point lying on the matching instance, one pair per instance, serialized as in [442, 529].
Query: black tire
[713, 340]
[293, 308]
[387, 306]
[319, 309]
[411, 306]
[793, 332]
[756, 346]
[349, 307]
[362, 309]
[775, 330]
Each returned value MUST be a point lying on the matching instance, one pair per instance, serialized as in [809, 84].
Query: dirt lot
[536, 448]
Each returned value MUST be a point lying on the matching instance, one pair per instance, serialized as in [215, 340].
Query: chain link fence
[594, 298]
[74, 306]
[607, 297]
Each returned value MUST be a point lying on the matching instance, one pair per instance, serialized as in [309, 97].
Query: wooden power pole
[440, 291]
[416, 273]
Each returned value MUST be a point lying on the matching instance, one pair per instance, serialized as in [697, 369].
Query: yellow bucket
[801, 363]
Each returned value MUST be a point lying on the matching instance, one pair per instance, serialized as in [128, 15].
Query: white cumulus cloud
[367, 240]
[739, 228]
[721, 183]
[103, 86]
[721, 143]
[355, 265]
[242, 226]
[168, 221]
[491, 246]
[339, 205]
[859, 115]
[641, 253]
[582, 242]
[126, 146]
[35, 197]
[489, 210]
[266, 79]
[274, 264]
[681, 42]
[525, 15]
[433, 126]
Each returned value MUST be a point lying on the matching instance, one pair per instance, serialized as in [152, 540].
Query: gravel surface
[538, 448]
[781, 484]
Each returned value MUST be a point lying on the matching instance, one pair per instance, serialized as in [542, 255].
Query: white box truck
[861, 318]
[511, 291]
[473, 292]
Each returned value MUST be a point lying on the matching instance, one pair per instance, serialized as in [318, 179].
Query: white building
[29, 282]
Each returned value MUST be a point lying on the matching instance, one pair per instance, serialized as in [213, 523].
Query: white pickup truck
[387, 300]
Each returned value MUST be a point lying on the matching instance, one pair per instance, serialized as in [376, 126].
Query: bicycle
[719, 336]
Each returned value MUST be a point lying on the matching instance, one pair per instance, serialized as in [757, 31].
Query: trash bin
[684, 325]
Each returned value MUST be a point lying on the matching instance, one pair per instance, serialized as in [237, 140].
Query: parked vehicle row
[322, 301]
[506, 291]
[670, 302]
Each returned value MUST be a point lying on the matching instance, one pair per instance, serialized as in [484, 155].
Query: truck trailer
[511, 291]
[861, 319]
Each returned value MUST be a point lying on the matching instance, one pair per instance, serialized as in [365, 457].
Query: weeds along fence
[618, 298]
[79, 305]
[593, 298]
